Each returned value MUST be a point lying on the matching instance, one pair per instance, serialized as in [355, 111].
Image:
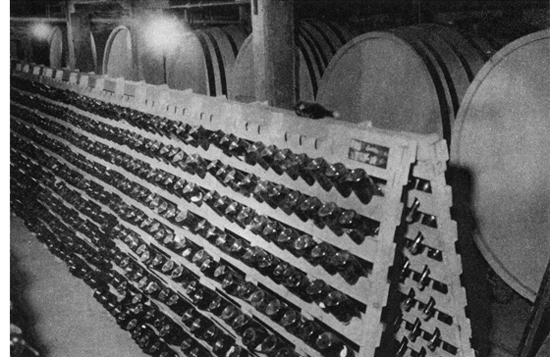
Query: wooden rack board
[407, 168]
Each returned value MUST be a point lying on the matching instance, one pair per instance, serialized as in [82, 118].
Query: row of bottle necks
[317, 290]
[279, 160]
[356, 179]
[159, 263]
[134, 304]
[328, 213]
[428, 309]
[156, 345]
[269, 157]
[286, 237]
[289, 201]
[418, 184]
[302, 245]
[318, 170]
[276, 195]
[313, 290]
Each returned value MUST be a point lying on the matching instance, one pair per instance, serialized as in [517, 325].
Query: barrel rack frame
[408, 257]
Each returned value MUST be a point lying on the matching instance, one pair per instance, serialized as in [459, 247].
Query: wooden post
[273, 49]
[81, 29]
[69, 9]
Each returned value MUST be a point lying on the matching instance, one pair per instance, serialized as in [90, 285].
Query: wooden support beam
[274, 54]
[81, 29]
[69, 10]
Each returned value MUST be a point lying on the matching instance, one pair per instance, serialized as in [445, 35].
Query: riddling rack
[210, 227]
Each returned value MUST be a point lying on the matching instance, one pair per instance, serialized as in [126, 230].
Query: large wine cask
[316, 43]
[500, 139]
[406, 79]
[56, 48]
[117, 61]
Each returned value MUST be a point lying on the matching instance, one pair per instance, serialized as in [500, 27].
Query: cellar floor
[65, 320]
[63, 316]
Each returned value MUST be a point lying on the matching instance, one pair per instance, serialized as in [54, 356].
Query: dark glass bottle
[348, 266]
[275, 309]
[291, 203]
[192, 193]
[309, 332]
[200, 256]
[237, 351]
[177, 304]
[164, 294]
[337, 174]
[245, 216]
[187, 343]
[171, 333]
[362, 185]
[292, 321]
[413, 214]
[266, 263]
[245, 184]
[232, 210]
[286, 236]
[261, 190]
[251, 155]
[271, 344]
[208, 267]
[331, 346]
[356, 226]
[186, 219]
[231, 283]
[210, 198]
[180, 274]
[258, 223]
[167, 267]
[203, 297]
[260, 299]
[178, 187]
[200, 326]
[340, 306]
[318, 290]
[310, 209]
[217, 305]
[210, 334]
[253, 337]
[279, 271]
[245, 290]
[189, 316]
[329, 214]
[303, 245]
[296, 282]
[317, 168]
[222, 344]
[240, 323]
[276, 194]
[229, 313]
[157, 262]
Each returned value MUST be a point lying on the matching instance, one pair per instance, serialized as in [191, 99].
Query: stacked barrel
[200, 60]
[409, 78]
[316, 43]
[203, 59]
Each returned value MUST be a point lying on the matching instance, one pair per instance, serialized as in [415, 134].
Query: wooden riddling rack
[411, 213]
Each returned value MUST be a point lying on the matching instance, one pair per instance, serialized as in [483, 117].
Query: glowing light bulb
[41, 31]
[163, 33]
